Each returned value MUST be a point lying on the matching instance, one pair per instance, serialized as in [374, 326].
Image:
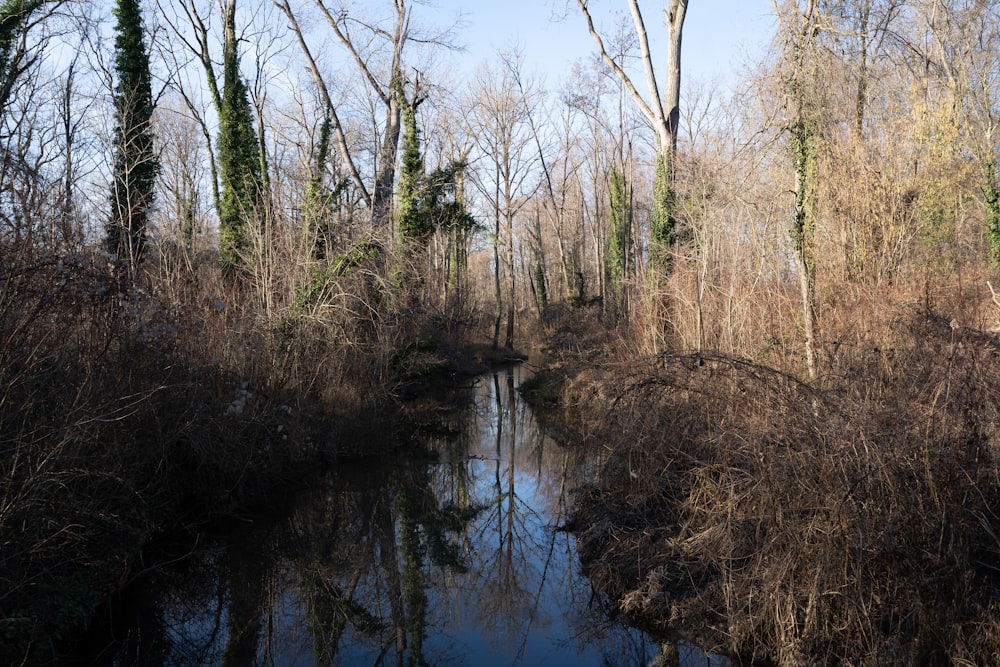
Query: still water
[449, 556]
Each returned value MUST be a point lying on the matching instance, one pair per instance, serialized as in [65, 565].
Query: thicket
[128, 410]
[848, 521]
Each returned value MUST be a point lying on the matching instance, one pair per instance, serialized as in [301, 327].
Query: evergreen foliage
[238, 157]
[310, 293]
[135, 162]
[316, 208]
[412, 222]
[663, 224]
[426, 202]
[991, 201]
[618, 233]
[538, 280]
[440, 202]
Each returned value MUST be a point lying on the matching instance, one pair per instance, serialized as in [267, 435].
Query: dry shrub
[130, 408]
[70, 382]
[853, 524]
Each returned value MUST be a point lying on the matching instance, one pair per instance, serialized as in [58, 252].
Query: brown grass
[852, 523]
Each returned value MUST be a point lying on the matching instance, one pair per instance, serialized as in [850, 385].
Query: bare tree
[188, 36]
[603, 149]
[182, 175]
[963, 49]
[499, 121]
[661, 110]
[18, 54]
[377, 51]
[330, 109]
[30, 133]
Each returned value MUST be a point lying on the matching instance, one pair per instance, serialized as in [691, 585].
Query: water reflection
[448, 557]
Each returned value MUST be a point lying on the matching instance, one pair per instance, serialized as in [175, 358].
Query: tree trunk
[386, 176]
[803, 232]
[804, 147]
[991, 202]
[538, 256]
[498, 297]
[663, 115]
[509, 338]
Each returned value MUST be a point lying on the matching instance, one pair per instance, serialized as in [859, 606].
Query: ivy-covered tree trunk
[189, 209]
[991, 202]
[411, 222]
[239, 157]
[430, 202]
[538, 277]
[619, 233]
[316, 210]
[458, 236]
[538, 269]
[135, 162]
[663, 114]
[802, 29]
[803, 232]
[663, 224]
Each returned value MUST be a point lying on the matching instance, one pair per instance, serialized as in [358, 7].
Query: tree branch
[616, 68]
[342, 146]
[384, 94]
[647, 60]
[655, 117]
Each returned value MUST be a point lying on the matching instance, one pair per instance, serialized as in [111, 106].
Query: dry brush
[851, 524]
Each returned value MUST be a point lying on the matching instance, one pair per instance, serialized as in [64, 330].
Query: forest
[240, 238]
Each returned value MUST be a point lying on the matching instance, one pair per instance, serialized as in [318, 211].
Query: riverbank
[850, 522]
[131, 411]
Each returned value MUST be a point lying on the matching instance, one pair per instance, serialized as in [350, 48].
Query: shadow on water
[450, 556]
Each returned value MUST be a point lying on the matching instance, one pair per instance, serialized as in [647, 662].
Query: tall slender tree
[800, 25]
[16, 18]
[619, 231]
[239, 157]
[663, 113]
[136, 164]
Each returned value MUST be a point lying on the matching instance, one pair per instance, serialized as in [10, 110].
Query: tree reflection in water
[446, 557]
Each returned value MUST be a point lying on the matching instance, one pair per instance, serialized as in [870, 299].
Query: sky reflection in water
[451, 559]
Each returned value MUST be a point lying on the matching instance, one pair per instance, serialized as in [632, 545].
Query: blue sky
[719, 35]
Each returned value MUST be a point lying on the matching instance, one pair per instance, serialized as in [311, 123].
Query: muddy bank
[851, 523]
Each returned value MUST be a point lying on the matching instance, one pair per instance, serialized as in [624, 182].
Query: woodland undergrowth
[131, 408]
[853, 520]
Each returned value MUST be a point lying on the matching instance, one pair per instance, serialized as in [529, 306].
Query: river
[447, 554]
